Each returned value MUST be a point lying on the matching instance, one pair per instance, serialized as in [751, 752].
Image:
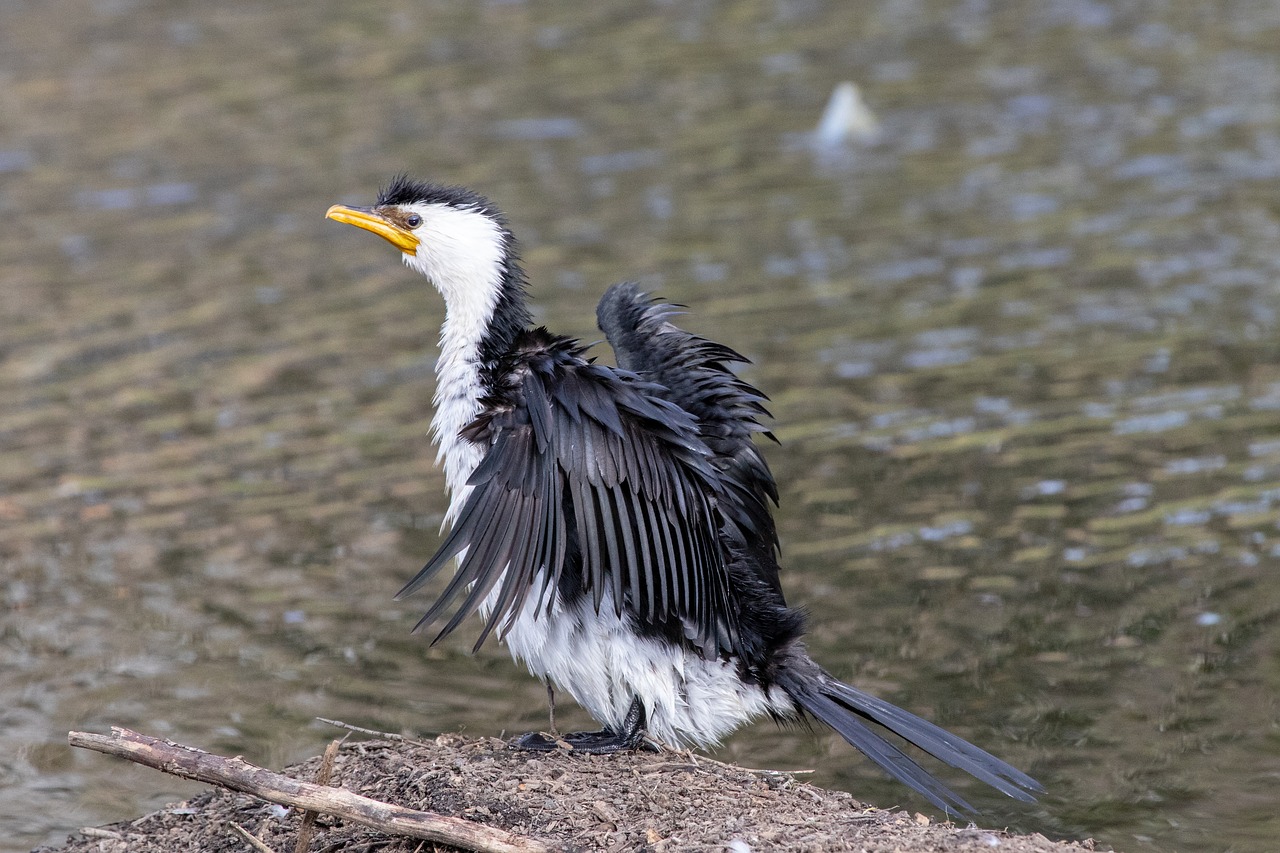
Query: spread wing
[587, 471]
[693, 373]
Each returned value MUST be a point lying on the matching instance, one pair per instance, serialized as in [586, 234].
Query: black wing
[587, 461]
[694, 374]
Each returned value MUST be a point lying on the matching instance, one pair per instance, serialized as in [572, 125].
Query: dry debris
[664, 802]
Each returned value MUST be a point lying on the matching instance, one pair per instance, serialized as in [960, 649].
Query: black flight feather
[633, 462]
[693, 374]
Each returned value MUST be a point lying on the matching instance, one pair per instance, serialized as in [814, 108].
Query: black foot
[603, 742]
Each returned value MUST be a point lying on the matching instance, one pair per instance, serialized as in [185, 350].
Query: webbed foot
[629, 738]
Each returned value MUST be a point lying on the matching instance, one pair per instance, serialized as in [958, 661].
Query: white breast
[604, 665]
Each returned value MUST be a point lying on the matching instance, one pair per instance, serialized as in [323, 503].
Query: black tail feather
[894, 761]
[848, 710]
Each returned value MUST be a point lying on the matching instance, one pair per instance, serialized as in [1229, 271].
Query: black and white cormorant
[613, 526]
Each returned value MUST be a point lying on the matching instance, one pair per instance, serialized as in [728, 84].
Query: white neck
[461, 253]
[457, 402]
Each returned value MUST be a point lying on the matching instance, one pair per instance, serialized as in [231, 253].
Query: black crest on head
[406, 190]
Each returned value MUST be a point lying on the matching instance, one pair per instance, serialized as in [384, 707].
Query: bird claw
[603, 742]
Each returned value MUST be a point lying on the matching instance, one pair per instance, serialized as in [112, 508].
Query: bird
[613, 526]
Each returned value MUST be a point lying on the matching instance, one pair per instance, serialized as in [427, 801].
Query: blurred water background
[1019, 330]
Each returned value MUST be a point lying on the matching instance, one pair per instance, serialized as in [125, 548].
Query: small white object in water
[1051, 487]
[1208, 620]
[847, 118]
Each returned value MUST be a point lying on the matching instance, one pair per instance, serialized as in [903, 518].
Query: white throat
[461, 253]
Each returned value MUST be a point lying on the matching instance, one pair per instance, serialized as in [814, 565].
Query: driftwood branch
[235, 774]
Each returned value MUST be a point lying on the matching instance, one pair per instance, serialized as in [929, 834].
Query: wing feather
[574, 449]
[694, 374]
[514, 590]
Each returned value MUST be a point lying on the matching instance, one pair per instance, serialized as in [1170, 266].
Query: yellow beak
[368, 219]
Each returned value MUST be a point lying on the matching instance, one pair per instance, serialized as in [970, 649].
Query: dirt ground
[660, 802]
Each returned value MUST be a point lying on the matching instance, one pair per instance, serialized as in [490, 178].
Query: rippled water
[1021, 348]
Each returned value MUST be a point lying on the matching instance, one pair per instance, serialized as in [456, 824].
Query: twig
[322, 779]
[762, 772]
[696, 762]
[236, 774]
[363, 730]
[254, 841]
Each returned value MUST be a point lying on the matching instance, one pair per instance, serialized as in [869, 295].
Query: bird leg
[629, 737]
[551, 706]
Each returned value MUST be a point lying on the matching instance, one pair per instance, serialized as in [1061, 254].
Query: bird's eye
[413, 220]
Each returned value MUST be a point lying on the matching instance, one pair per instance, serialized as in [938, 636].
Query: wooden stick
[254, 841]
[322, 778]
[383, 735]
[236, 774]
